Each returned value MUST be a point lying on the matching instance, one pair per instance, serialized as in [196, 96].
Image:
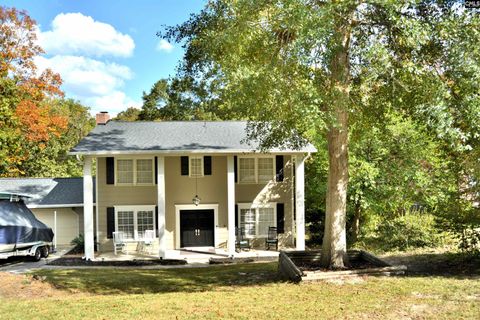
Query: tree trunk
[356, 221]
[334, 250]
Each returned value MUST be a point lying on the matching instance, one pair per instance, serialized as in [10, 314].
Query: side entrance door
[197, 228]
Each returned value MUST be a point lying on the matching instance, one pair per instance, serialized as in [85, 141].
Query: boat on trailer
[21, 233]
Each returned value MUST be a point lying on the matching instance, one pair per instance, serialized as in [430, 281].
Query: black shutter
[184, 165]
[110, 170]
[236, 216]
[280, 218]
[279, 168]
[207, 165]
[156, 221]
[235, 167]
[155, 169]
[110, 222]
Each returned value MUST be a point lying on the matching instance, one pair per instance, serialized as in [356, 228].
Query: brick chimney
[102, 117]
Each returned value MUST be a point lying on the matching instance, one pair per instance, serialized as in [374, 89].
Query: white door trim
[179, 207]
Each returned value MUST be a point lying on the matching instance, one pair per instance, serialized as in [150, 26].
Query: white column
[55, 229]
[162, 246]
[88, 208]
[97, 234]
[231, 205]
[300, 201]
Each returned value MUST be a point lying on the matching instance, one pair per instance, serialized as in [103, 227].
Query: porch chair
[148, 239]
[240, 241]
[119, 242]
[272, 238]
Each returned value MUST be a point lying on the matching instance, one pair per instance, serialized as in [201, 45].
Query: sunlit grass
[245, 292]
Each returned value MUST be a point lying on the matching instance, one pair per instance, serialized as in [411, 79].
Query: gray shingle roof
[169, 136]
[46, 191]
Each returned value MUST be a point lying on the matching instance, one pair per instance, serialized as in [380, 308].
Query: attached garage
[63, 221]
[57, 202]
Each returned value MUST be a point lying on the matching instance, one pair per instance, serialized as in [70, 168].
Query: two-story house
[191, 181]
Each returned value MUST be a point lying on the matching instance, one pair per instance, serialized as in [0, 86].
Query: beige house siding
[67, 223]
[112, 195]
[180, 190]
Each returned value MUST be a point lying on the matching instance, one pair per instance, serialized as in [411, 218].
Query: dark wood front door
[196, 228]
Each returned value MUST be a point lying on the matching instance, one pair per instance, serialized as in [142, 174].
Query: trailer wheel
[45, 251]
[38, 254]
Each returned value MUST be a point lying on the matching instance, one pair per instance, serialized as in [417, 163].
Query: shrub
[78, 243]
[469, 240]
[408, 231]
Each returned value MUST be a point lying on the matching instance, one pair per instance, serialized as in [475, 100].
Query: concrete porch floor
[192, 255]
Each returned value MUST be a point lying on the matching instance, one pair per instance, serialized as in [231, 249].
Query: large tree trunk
[334, 251]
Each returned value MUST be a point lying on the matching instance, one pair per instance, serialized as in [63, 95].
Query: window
[125, 171]
[255, 219]
[144, 221]
[134, 171]
[246, 170]
[135, 220]
[255, 169]
[265, 169]
[196, 166]
[125, 223]
[145, 171]
[247, 221]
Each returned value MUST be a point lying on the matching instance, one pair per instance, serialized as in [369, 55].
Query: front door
[196, 228]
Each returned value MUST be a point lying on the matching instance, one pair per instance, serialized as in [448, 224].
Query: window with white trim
[255, 219]
[196, 166]
[125, 223]
[124, 171]
[134, 220]
[144, 171]
[255, 169]
[135, 171]
[266, 169]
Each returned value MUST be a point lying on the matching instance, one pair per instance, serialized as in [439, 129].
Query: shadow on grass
[142, 281]
[452, 265]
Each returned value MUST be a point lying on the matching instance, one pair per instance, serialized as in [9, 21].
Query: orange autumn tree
[27, 121]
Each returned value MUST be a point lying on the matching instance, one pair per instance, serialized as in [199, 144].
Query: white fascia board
[203, 151]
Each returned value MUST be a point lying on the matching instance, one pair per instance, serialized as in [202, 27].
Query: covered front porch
[168, 211]
[192, 256]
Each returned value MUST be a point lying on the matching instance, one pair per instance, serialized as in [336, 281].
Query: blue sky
[107, 52]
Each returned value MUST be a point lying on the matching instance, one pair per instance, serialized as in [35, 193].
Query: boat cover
[19, 225]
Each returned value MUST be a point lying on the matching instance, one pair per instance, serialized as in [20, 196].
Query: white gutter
[177, 152]
[46, 206]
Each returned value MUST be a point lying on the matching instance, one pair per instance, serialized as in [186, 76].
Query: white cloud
[74, 33]
[165, 46]
[114, 103]
[95, 83]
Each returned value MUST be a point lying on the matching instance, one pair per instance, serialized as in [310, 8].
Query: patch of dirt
[78, 261]
[26, 286]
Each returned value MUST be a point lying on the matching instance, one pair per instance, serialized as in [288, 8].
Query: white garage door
[67, 223]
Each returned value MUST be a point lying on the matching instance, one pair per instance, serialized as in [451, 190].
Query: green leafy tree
[314, 67]
[154, 101]
[182, 98]
[131, 114]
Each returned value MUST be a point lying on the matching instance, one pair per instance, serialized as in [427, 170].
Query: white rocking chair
[119, 242]
[148, 240]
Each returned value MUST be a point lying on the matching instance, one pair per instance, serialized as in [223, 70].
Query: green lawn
[244, 292]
